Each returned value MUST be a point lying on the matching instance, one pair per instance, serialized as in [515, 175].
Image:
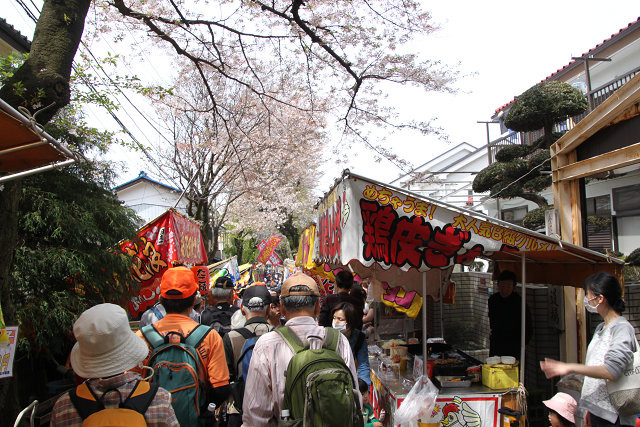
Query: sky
[501, 48]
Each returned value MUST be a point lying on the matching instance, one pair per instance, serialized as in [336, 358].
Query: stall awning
[25, 148]
[383, 231]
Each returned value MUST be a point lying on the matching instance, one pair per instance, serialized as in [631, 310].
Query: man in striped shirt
[265, 382]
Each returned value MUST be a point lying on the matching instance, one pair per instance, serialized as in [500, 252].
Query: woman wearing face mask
[345, 316]
[609, 352]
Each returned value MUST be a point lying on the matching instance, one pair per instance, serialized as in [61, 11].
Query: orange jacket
[210, 350]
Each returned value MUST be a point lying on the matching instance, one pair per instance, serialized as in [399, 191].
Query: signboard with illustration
[365, 221]
[470, 410]
[8, 351]
[170, 238]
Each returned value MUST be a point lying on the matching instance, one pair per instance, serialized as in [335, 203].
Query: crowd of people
[222, 365]
[233, 365]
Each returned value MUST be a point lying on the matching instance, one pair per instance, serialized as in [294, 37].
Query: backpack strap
[153, 337]
[157, 312]
[85, 400]
[196, 336]
[246, 333]
[291, 338]
[141, 396]
[331, 339]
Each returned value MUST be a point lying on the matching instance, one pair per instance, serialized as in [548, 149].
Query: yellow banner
[406, 302]
[304, 257]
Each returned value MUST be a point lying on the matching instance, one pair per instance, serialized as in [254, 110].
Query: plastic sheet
[418, 404]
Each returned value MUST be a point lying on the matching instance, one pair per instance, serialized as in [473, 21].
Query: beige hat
[106, 345]
[296, 280]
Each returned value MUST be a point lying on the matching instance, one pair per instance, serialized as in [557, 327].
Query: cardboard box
[500, 376]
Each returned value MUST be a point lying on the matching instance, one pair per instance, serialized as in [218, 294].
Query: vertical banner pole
[523, 317]
[424, 322]
[441, 309]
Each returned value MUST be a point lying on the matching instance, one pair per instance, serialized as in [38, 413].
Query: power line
[109, 110]
[27, 10]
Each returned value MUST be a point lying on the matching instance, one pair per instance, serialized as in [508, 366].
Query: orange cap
[178, 279]
[299, 279]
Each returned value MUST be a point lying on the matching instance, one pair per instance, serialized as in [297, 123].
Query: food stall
[407, 245]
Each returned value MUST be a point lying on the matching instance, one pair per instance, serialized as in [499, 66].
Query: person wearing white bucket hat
[106, 349]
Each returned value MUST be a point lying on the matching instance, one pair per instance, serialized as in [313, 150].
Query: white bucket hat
[106, 345]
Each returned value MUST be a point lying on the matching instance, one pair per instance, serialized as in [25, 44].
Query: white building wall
[622, 61]
[450, 186]
[149, 200]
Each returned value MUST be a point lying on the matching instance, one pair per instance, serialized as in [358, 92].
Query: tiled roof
[598, 48]
[143, 177]
[13, 37]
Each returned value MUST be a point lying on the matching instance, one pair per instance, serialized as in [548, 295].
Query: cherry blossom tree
[254, 161]
[349, 52]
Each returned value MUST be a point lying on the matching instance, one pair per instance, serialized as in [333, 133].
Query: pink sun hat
[564, 405]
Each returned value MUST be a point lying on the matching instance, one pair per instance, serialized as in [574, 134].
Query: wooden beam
[604, 162]
[621, 100]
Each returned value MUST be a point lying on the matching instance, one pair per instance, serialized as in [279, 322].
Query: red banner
[202, 276]
[170, 238]
[267, 251]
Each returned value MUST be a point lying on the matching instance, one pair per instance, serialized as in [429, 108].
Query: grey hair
[220, 293]
[299, 302]
[259, 309]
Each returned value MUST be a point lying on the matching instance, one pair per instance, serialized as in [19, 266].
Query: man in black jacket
[219, 310]
[505, 318]
[344, 283]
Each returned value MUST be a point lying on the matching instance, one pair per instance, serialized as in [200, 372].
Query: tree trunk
[215, 235]
[535, 198]
[238, 242]
[45, 74]
[45, 79]
[9, 201]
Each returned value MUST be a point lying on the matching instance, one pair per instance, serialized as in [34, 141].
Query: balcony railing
[598, 96]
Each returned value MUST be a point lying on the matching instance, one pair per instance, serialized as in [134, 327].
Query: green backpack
[319, 387]
[177, 368]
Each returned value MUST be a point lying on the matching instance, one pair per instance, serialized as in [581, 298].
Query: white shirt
[264, 387]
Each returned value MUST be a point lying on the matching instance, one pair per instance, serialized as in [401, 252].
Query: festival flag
[168, 240]
[267, 251]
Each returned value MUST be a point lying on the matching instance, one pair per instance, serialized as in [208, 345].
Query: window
[626, 200]
[599, 223]
[514, 215]
[599, 206]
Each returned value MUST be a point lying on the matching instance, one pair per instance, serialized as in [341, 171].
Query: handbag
[624, 392]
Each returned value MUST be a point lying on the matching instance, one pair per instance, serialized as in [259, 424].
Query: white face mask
[590, 308]
[339, 326]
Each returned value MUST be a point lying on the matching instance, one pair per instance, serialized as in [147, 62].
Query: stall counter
[455, 406]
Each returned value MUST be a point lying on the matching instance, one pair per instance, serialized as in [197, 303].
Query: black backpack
[218, 319]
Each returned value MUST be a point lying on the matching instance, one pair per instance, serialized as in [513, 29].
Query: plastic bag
[419, 402]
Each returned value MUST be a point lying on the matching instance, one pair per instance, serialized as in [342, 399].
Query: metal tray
[445, 382]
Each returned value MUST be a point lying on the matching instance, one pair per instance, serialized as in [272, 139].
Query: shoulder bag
[625, 391]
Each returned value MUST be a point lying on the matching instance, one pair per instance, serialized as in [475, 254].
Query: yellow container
[500, 376]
